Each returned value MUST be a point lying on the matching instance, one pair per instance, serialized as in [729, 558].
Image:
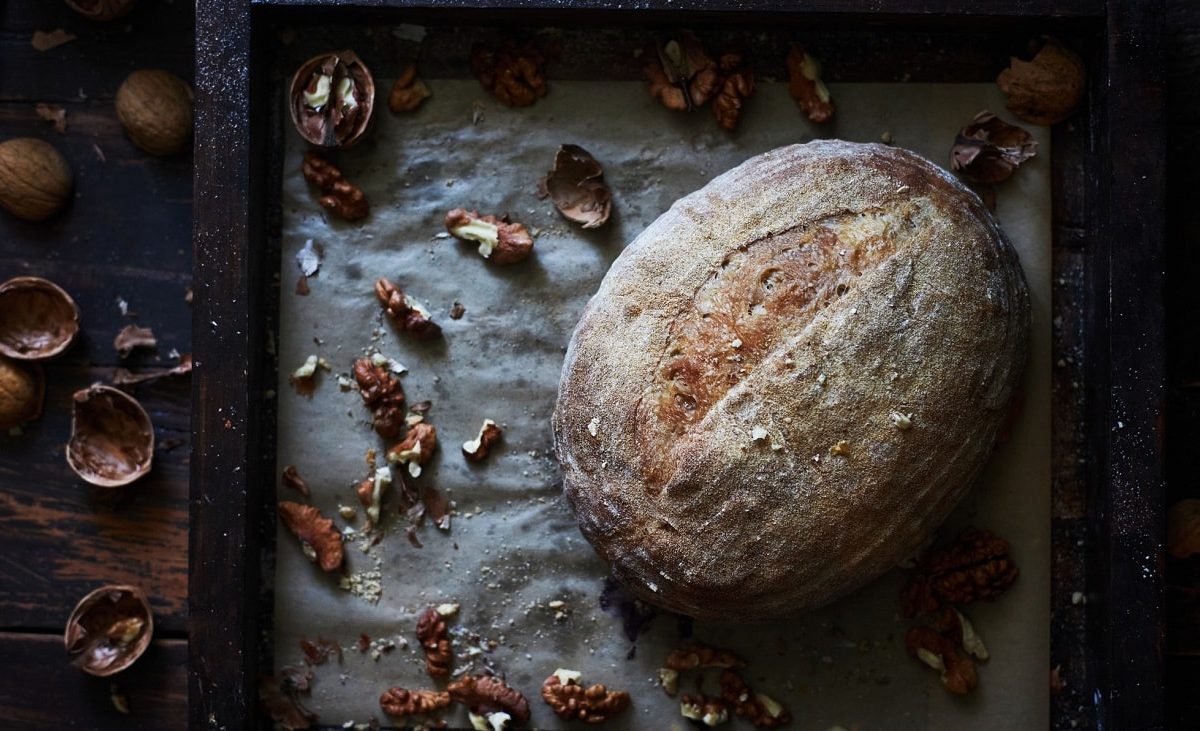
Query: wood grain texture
[39, 690]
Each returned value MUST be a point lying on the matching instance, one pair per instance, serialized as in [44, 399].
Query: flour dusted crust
[725, 416]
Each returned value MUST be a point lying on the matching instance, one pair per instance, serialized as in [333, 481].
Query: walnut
[478, 448]
[131, 337]
[403, 702]
[38, 320]
[955, 625]
[484, 695]
[109, 630]
[706, 710]
[416, 449]
[155, 108]
[702, 656]
[35, 179]
[942, 654]
[408, 92]
[316, 653]
[435, 639]
[291, 478]
[405, 312]
[332, 99]
[383, 394]
[112, 438]
[681, 73]
[569, 700]
[337, 194]
[759, 709]
[500, 240]
[22, 392]
[370, 494]
[975, 567]
[989, 150]
[1047, 89]
[321, 542]
[806, 87]
[577, 188]
[735, 86]
[513, 74]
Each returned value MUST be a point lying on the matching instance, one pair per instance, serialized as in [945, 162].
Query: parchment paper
[513, 547]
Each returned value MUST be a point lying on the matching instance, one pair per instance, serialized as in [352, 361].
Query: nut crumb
[902, 421]
[841, 449]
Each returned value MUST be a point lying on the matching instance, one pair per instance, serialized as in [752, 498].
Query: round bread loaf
[786, 382]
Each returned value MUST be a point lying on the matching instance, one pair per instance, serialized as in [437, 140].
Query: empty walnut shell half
[109, 630]
[332, 99]
[102, 9]
[112, 439]
[576, 185]
[22, 390]
[989, 150]
[37, 318]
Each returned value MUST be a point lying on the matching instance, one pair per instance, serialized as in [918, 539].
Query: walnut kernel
[500, 241]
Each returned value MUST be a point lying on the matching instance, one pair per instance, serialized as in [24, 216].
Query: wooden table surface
[127, 236]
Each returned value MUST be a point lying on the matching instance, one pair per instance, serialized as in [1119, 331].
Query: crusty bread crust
[727, 419]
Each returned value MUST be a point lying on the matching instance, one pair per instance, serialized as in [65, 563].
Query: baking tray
[1107, 389]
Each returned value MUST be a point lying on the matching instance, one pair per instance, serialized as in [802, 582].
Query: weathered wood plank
[39, 690]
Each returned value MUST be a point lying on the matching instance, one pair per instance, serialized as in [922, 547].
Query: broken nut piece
[332, 98]
[758, 708]
[320, 541]
[338, 195]
[512, 74]
[403, 702]
[484, 695]
[405, 312]
[291, 478]
[131, 337]
[109, 629]
[941, 653]
[702, 656]
[370, 494]
[435, 640]
[706, 710]
[416, 449]
[680, 73]
[383, 394]
[408, 92]
[569, 700]
[806, 86]
[500, 241]
[478, 448]
[734, 88]
[668, 679]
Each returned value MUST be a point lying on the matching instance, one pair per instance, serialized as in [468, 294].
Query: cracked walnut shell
[320, 541]
[332, 99]
[112, 439]
[109, 630]
[35, 179]
[570, 700]
[577, 188]
[155, 108]
[989, 150]
[22, 391]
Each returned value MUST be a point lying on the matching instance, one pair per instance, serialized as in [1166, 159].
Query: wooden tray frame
[1108, 166]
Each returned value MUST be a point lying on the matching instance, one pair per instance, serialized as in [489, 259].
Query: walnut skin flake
[408, 92]
[321, 542]
[500, 240]
[1047, 89]
[570, 700]
[435, 640]
[485, 695]
[989, 150]
[806, 87]
[576, 185]
[512, 74]
[338, 195]
[131, 337]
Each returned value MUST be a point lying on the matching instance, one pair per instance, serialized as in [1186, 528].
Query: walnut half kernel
[569, 700]
[500, 240]
[478, 448]
[708, 711]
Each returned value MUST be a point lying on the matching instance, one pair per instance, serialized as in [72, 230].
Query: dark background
[127, 235]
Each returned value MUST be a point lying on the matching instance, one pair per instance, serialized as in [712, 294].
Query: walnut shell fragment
[38, 319]
[338, 195]
[485, 695]
[131, 337]
[989, 150]
[681, 74]
[35, 179]
[512, 74]
[577, 188]
[806, 86]
[1046, 89]
[402, 702]
[408, 92]
[320, 541]
[570, 700]
[500, 240]
[112, 439]
[332, 99]
[22, 392]
[156, 109]
[102, 9]
[109, 630]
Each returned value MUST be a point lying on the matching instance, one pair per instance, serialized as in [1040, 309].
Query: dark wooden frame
[1108, 168]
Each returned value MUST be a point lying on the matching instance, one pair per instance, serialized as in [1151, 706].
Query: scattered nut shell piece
[45, 41]
[112, 439]
[54, 114]
[478, 448]
[109, 630]
[332, 99]
[1047, 89]
[577, 188]
[989, 150]
[37, 319]
[22, 392]
[131, 337]
[155, 108]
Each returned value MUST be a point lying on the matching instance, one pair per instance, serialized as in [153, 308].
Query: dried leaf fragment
[500, 240]
[570, 700]
[484, 695]
[338, 195]
[321, 542]
[513, 74]
[1047, 89]
[44, 41]
[806, 86]
[435, 640]
[577, 187]
[131, 337]
[405, 312]
[55, 114]
[989, 150]
[403, 702]
[291, 478]
[408, 92]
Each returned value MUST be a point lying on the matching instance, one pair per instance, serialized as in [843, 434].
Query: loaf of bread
[786, 382]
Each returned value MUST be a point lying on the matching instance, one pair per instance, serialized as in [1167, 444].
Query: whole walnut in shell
[1047, 89]
[35, 179]
[109, 630]
[37, 319]
[102, 9]
[22, 388]
[112, 439]
[155, 107]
